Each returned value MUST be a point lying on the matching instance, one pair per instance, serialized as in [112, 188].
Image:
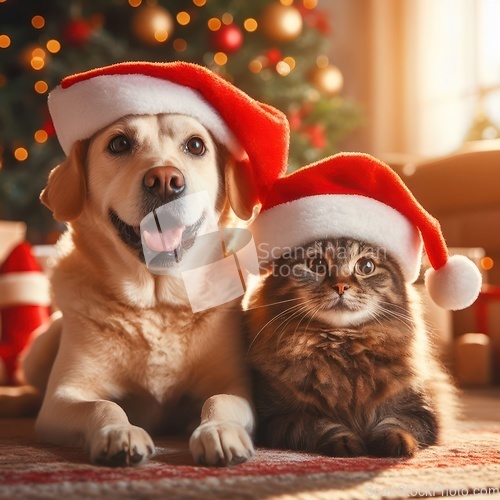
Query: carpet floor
[467, 465]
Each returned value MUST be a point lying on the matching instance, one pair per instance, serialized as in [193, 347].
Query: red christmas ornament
[274, 56]
[227, 39]
[77, 32]
[48, 127]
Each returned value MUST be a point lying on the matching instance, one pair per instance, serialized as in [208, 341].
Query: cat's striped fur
[341, 357]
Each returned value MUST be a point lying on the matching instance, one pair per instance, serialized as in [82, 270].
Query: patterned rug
[470, 465]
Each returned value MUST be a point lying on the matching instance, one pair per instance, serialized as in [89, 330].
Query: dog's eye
[195, 146]
[365, 266]
[119, 144]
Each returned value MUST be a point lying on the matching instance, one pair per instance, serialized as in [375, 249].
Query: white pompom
[456, 285]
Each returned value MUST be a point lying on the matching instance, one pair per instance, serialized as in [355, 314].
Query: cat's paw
[343, 443]
[220, 444]
[121, 445]
[391, 441]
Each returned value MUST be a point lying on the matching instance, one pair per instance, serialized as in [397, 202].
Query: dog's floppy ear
[241, 188]
[66, 188]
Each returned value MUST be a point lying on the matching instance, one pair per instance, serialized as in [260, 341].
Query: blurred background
[414, 82]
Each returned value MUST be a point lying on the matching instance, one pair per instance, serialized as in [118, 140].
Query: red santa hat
[255, 133]
[24, 304]
[356, 196]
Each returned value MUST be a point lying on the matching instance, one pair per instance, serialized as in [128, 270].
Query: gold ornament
[328, 80]
[281, 23]
[152, 25]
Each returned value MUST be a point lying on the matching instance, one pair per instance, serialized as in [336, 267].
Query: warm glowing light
[227, 18]
[183, 18]
[220, 58]
[38, 52]
[487, 263]
[255, 66]
[134, 3]
[310, 4]
[180, 45]
[283, 68]
[287, 3]
[290, 61]
[37, 63]
[250, 24]
[214, 24]
[53, 46]
[38, 22]
[3, 80]
[4, 41]
[199, 3]
[41, 87]
[322, 61]
[41, 136]
[161, 35]
[20, 154]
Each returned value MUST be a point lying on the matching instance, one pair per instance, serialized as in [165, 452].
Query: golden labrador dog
[133, 358]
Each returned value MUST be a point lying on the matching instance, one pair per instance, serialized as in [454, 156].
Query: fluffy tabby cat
[341, 358]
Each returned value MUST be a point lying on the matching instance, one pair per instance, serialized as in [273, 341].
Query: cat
[341, 359]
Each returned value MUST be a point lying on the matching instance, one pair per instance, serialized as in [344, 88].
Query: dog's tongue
[166, 241]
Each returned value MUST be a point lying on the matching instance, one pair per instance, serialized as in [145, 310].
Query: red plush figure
[24, 306]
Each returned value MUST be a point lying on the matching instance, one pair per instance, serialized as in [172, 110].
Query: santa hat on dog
[255, 133]
[356, 196]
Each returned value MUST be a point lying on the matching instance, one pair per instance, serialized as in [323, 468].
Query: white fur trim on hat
[456, 285]
[325, 216]
[86, 107]
[24, 288]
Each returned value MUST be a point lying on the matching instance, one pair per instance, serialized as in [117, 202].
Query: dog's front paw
[219, 444]
[120, 445]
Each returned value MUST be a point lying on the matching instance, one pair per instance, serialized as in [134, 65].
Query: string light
[38, 52]
[487, 263]
[180, 44]
[183, 18]
[286, 3]
[250, 24]
[37, 63]
[53, 46]
[310, 4]
[41, 87]
[41, 136]
[21, 154]
[199, 3]
[322, 61]
[134, 3]
[4, 41]
[290, 61]
[255, 66]
[214, 24]
[220, 58]
[227, 18]
[161, 35]
[282, 68]
[38, 22]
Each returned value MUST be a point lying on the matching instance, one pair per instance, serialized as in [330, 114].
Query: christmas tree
[273, 50]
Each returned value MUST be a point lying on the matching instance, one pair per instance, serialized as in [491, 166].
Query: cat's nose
[340, 288]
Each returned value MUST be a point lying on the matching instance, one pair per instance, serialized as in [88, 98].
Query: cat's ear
[66, 189]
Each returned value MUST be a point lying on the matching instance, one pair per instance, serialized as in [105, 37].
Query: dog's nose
[164, 182]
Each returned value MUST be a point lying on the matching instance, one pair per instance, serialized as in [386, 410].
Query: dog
[130, 352]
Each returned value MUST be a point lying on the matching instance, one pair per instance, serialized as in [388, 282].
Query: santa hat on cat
[357, 196]
[255, 133]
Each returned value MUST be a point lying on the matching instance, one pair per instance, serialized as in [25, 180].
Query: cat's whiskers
[274, 303]
[287, 321]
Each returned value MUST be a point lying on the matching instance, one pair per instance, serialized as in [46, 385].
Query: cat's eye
[195, 146]
[318, 265]
[365, 266]
[119, 144]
